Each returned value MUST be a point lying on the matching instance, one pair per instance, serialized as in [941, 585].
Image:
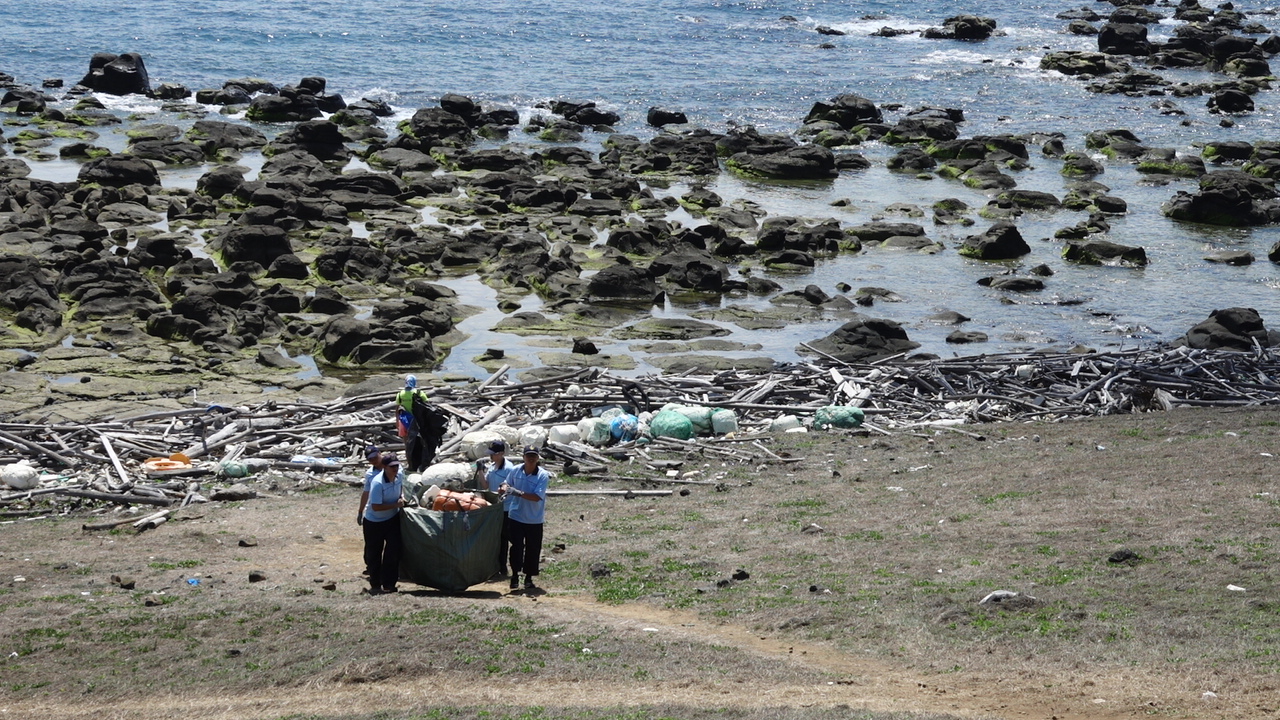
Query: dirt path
[862, 683]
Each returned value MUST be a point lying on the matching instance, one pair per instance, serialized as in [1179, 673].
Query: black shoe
[528, 582]
[388, 590]
[515, 581]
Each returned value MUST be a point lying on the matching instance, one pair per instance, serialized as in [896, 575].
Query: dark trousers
[419, 450]
[526, 546]
[382, 546]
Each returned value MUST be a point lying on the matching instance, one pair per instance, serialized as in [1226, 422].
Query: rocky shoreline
[118, 285]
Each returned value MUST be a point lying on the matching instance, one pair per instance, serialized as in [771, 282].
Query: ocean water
[760, 63]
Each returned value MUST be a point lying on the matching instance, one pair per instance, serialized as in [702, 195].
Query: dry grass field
[1144, 550]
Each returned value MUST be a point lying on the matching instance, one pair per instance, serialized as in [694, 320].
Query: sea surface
[725, 64]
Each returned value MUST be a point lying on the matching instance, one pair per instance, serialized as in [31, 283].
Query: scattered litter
[1000, 597]
[1235, 588]
[1209, 695]
[894, 488]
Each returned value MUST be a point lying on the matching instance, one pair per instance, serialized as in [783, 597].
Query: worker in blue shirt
[373, 456]
[496, 472]
[526, 489]
[382, 541]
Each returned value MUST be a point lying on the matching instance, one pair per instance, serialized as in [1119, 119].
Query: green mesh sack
[839, 416]
[672, 424]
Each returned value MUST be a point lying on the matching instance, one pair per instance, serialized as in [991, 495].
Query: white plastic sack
[447, 472]
[534, 435]
[508, 433]
[475, 445]
[564, 434]
[784, 423]
[594, 431]
[20, 476]
[724, 422]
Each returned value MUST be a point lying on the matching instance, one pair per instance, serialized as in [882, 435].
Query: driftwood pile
[97, 466]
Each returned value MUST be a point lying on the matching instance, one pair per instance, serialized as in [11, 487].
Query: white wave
[129, 103]
[380, 93]
[868, 27]
[1030, 33]
[951, 57]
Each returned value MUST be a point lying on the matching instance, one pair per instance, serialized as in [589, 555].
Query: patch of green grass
[1011, 495]
[175, 565]
[803, 503]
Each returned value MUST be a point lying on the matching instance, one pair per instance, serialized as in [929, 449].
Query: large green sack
[840, 416]
[669, 423]
[451, 551]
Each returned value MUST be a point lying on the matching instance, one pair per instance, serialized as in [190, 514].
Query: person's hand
[400, 503]
[360, 519]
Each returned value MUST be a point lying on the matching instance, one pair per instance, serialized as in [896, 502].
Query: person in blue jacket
[526, 488]
[496, 472]
[374, 457]
[382, 541]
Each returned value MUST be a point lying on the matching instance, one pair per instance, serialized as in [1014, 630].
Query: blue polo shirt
[498, 475]
[369, 475]
[528, 511]
[382, 492]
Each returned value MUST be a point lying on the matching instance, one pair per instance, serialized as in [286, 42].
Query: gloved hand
[360, 520]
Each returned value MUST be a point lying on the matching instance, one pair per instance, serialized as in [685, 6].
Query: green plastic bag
[669, 423]
[839, 416]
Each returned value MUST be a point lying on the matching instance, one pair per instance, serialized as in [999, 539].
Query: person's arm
[364, 500]
[382, 507]
[513, 490]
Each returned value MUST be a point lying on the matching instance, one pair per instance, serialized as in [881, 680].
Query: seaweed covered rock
[808, 162]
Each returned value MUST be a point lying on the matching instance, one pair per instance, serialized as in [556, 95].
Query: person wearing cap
[382, 541]
[496, 472]
[526, 488]
[420, 423]
[374, 456]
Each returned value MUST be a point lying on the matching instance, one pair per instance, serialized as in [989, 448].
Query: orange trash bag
[450, 500]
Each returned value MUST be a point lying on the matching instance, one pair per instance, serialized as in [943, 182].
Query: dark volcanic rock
[962, 27]
[117, 74]
[1001, 241]
[1102, 252]
[1081, 63]
[1123, 39]
[257, 243]
[847, 111]
[808, 162]
[281, 108]
[657, 117]
[118, 171]
[30, 291]
[1230, 329]
[213, 135]
[864, 339]
[1227, 197]
[1230, 101]
[623, 282]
